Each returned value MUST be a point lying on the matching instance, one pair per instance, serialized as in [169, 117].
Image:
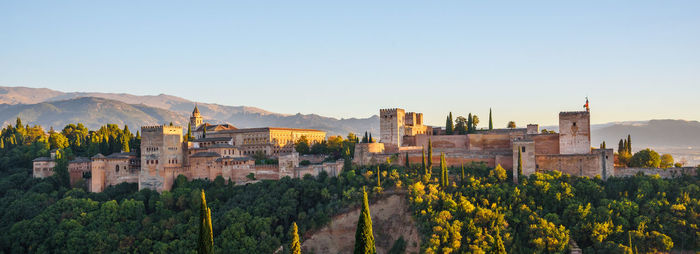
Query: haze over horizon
[636, 60]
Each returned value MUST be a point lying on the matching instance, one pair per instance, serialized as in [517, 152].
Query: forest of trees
[470, 209]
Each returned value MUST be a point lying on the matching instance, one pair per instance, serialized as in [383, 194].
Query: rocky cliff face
[391, 219]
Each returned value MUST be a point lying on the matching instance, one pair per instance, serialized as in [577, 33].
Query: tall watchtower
[575, 132]
[392, 126]
[195, 119]
[161, 156]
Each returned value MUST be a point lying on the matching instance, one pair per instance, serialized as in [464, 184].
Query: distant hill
[54, 108]
[652, 133]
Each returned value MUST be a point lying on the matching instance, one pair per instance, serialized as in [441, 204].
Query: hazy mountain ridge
[48, 107]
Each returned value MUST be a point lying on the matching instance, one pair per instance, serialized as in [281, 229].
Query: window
[574, 123]
[523, 148]
[116, 168]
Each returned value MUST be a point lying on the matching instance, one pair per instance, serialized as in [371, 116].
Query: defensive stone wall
[364, 152]
[546, 143]
[598, 163]
[391, 125]
[662, 172]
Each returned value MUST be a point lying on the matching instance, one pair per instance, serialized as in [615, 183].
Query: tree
[365, 138]
[449, 125]
[462, 175]
[500, 248]
[302, 145]
[499, 173]
[423, 165]
[461, 125]
[204, 131]
[205, 245]
[295, 246]
[490, 120]
[621, 147]
[370, 138]
[511, 125]
[430, 156]
[666, 161]
[364, 237]
[646, 158]
[629, 144]
[188, 137]
[475, 122]
[347, 163]
[602, 146]
[408, 164]
[520, 164]
[57, 141]
[444, 173]
[470, 124]
[2, 144]
[379, 180]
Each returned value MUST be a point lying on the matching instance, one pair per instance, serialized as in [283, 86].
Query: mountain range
[48, 107]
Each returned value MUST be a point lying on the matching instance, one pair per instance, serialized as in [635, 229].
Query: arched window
[116, 168]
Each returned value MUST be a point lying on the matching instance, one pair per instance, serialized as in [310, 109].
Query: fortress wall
[662, 172]
[573, 164]
[546, 143]
[490, 141]
[443, 141]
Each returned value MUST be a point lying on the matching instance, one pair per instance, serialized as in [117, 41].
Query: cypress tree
[2, 144]
[627, 147]
[621, 147]
[430, 157]
[370, 138]
[347, 164]
[603, 146]
[379, 180]
[204, 131]
[138, 135]
[470, 127]
[449, 125]
[425, 170]
[500, 247]
[189, 132]
[364, 238]
[205, 245]
[408, 165]
[520, 164]
[490, 120]
[444, 182]
[295, 246]
[629, 144]
[462, 174]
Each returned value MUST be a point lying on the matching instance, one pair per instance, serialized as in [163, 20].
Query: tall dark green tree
[629, 144]
[500, 248]
[204, 131]
[364, 237]
[490, 120]
[370, 140]
[408, 164]
[449, 125]
[430, 156]
[470, 124]
[205, 245]
[444, 181]
[423, 165]
[462, 175]
[520, 164]
[379, 179]
[621, 147]
[295, 246]
[188, 137]
[347, 164]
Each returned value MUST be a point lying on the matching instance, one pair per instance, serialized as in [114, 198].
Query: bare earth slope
[391, 219]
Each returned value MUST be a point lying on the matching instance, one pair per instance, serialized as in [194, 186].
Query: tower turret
[195, 119]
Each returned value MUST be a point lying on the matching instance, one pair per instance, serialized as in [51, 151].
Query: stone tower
[195, 119]
[392, 126]
[575, 132]
[161, 156]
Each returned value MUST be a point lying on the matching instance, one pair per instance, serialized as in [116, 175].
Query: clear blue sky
[527, 60]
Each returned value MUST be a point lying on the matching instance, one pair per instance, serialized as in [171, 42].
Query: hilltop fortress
[216, 150]
[569, 151]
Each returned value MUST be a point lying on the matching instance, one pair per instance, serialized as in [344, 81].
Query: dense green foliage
[205, 243]
[487, 213]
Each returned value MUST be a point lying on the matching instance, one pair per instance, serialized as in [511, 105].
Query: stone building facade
[217, 151]
[568, 151]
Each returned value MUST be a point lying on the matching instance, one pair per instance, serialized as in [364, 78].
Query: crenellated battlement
[390, 111]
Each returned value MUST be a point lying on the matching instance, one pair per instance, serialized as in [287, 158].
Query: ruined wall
[332, 168]
[546, 143]
[575, 132]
